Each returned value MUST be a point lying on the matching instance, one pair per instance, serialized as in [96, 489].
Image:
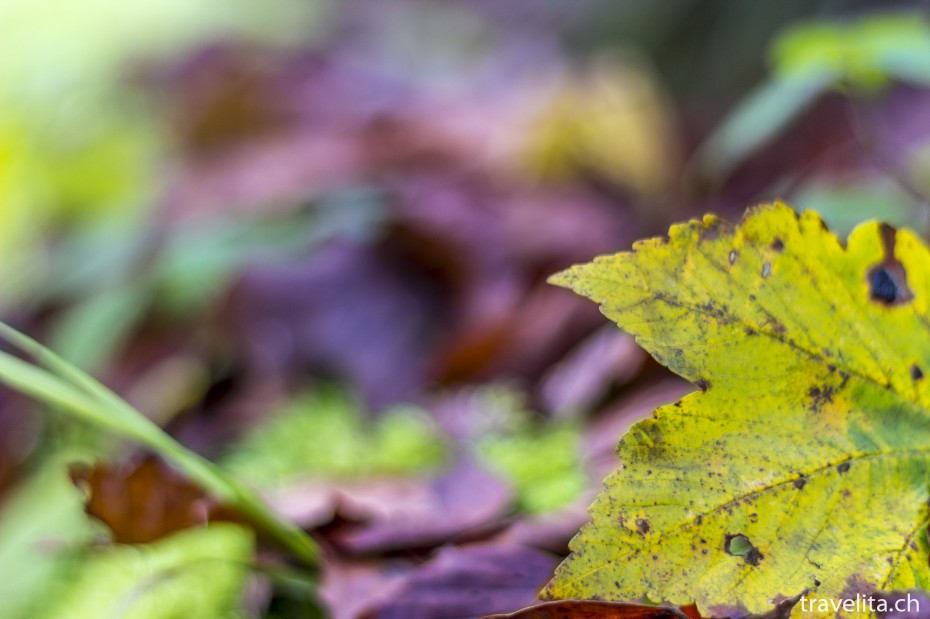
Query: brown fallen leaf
[144, 499]
[590, 609]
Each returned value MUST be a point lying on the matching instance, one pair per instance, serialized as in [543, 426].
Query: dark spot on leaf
[713, 228]
[820, 396]
[776, 325]
[816, 583]
[739, 546]
[642, 525]
[703, 384]
[777, 244]
[800, 482]
[916, 372]
[842, 468]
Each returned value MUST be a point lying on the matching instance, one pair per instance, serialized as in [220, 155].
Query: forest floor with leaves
[317, 256]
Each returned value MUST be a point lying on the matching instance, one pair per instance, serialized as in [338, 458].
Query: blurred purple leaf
[348, 311]
[468, 582]
[461, 504]
[606, 358]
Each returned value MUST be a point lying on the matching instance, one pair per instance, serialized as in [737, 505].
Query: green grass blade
[65, 386]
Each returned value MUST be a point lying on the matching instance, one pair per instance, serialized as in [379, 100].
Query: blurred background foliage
[310, 240]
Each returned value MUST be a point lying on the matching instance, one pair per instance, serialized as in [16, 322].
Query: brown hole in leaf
[888, 280]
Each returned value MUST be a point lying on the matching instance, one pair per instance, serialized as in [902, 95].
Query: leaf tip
[568, 278]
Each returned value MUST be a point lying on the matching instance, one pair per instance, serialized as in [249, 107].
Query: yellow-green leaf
[803, 462]
[194, 573]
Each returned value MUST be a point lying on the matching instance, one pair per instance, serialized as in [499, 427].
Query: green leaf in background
[865, 54]
[540, 459]
[195, 573]
[322, 435]
[41, 525]
[543, 465]
[809, 59]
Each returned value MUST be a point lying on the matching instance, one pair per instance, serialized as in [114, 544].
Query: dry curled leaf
[144, 500]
